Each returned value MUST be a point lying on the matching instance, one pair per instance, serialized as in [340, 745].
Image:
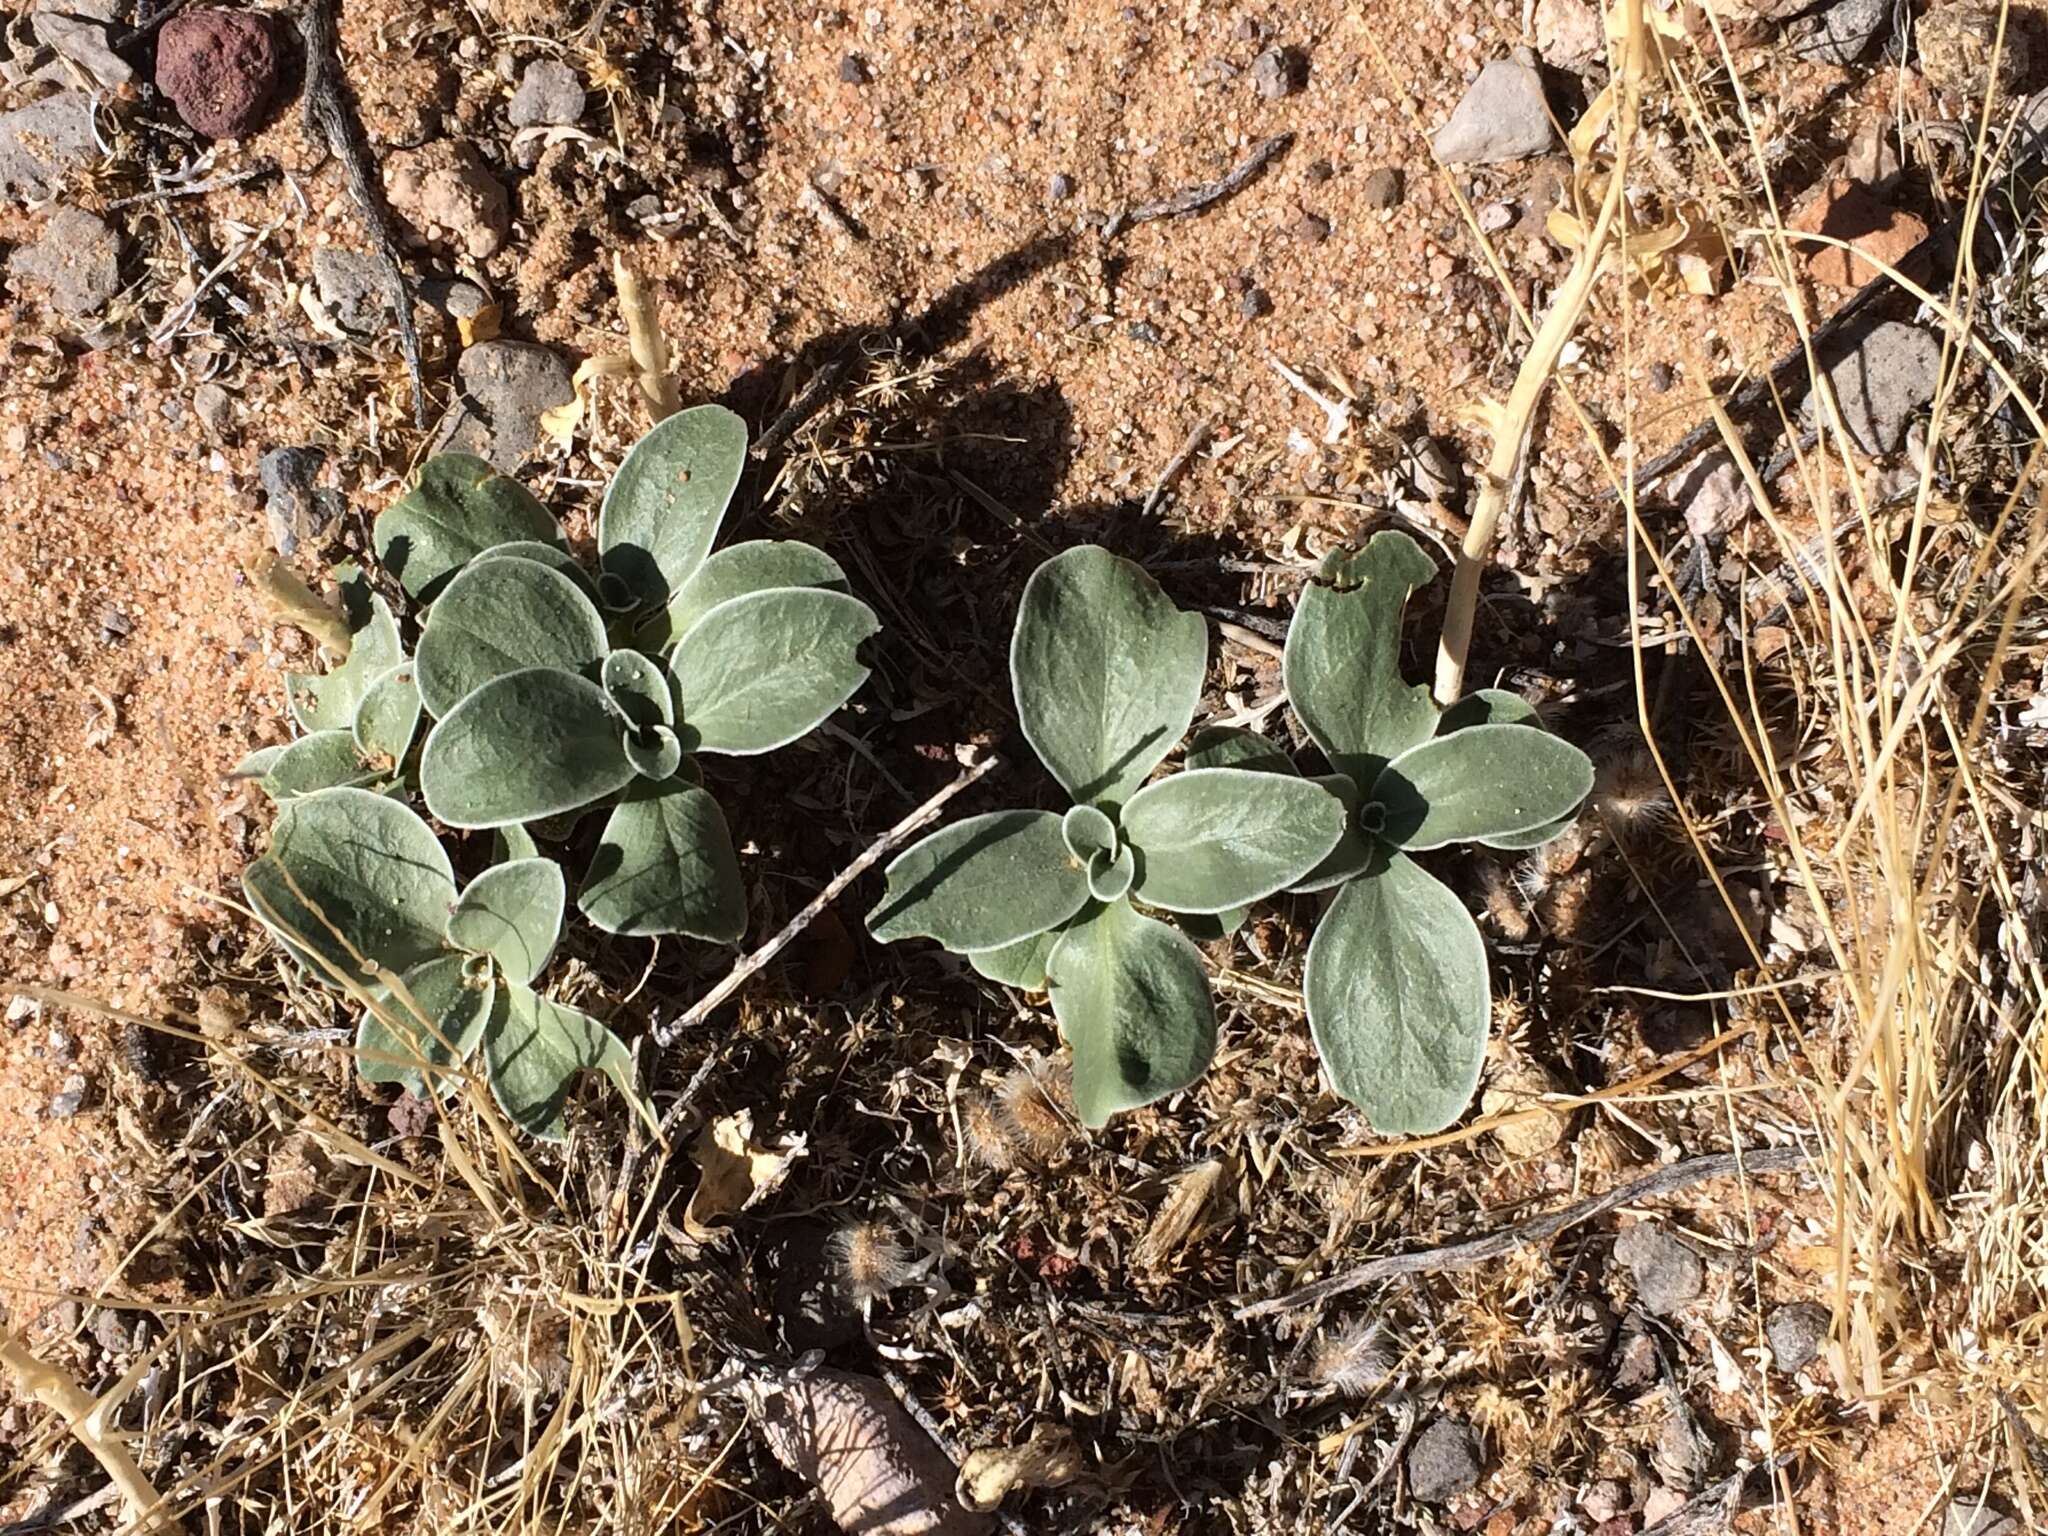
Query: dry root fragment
[1051, 1458]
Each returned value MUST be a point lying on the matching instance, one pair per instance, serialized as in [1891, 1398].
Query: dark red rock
[219, 69]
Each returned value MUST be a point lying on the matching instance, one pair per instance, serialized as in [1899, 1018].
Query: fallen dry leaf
[1180, 1212]
[735, 1172]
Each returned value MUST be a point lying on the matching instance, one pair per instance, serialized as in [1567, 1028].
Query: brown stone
[219, 68]
[1849, 212]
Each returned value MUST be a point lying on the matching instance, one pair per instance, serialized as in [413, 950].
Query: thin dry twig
[86, 1418]
[1178, 463]
[1199, 196]
[817, 389]
[1474, 1251]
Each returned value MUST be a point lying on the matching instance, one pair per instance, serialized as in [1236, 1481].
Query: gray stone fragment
[77, 261]
[1502, 117]
[1797, 1331]
[1967, 1517]
[506, 388]
[86, 41]
[41, 141]
[1279, 72]
[298, 510]
[550, 93]
[1843, 32]
[1882, 384]
[351, 284]
[1667, 1272]
[1382, 188]
[1444, 1461]
[1713, 496]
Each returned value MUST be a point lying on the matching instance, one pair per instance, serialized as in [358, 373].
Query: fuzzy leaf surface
[761, 565]
[1397, 997]
[523, 746]
[534, 1049]
[1355, 848]
[389, 716]
[662, 509]
[392, 1048]
[328, 701]
[982, 883]
[666, 864]
[458, 507]
[1497, 706]
[1134, 1004]
[1342, 664]
[1106, 672]
[513, 913]
[319, 761]
[1020, 965]
[639, 687]
[553, 556]
[757, 672]
[500, 616]
[1209, 839]
[1232, 746]
[1486, 781]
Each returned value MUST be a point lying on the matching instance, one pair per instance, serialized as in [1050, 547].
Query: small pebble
[1382, 188]
[1667, 1272]
[1279, 72]
[65, 1104]
[1312, 227]
[1796, 1332]
[1254, 303]
[853, 69]
[1443, 1462]
[550, 93]
[1319, 171]
[1662, 377]
[1145, 331]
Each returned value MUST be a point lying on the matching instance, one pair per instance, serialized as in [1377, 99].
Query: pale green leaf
[662, 509]
[1214, 838]
[352, 876]
[1020, 965]
[389, 717]
[666, 864]
[1355, 849]
[1486, 781]
[654, 752]
[1397, 998]
[1106, 672]
[500, 616]
[257, 764]
[328, 702]
[1133, 1002]
[523, 746]
[639, 688]
[553, 556]
[759, 566]
[512, 842]
[1231, 746]
[1497, 706]
[1110, 874]
[534, 1048]
[1343, 659]
[1088, 831]
[319, 761]
[982, 883]
[418, 1049]
[457, 508]
[757, 672]
[513, 913]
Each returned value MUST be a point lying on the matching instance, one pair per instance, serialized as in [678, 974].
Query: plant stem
[85, 1417]
[1511, 423]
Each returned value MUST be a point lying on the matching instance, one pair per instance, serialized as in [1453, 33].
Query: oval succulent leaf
[389, 716]
[1397, 998]
[1214, 838]
[1133, 1002]
[982, 883]
[1088, 832]
[396, 1045]
[523, 746]
[501, 616]
[513, 913]
[1106, 672]
[553, 556]
[329, 701]
[1021, 964]
[655, 752]
[1342, 664]
[319, 761]
[1486, 781]
[458, 507]
[666, 864]
[353, 876]
[1110, 874]
[1355, 848]
[534, 1048]
[757, 672]
[662, 510]
[1231, 746]
[1487, 706]
[759, 566]
[639, 689]
[257, 764]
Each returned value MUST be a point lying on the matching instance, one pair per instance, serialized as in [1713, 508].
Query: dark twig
[816, 391]
[331, 119]
[1194, 199]
[148, 25]
[1714, 1508]
[197, 188]
[1177, 464]
[1474, 1251]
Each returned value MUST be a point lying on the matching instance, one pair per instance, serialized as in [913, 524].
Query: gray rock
[86, 41]
[1797, 1331]
[1382, 189]
[1713, 496]
[70, 1099]
[506, 387]
[1843, 32]
[455, 298]
[1967, 1517]
[1667, 1272]
[1502, 117]
[1279, 72]
[41, 141]
[1884, 383]
[77, 260]
[1444, 1461]
[215, 407]
[550, 93]
[351, 284]
[299, 511]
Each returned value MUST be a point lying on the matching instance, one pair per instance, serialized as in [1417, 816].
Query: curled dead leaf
[1051, 1458]
[735, 1173]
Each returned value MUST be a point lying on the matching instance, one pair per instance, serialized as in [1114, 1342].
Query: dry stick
[331, 119]
[85, 1417]
[667, 1034]
[1511, 424]
[816, 390]
[1177, 464]
[1474, 1251]
[196, 188]
[1194, 199]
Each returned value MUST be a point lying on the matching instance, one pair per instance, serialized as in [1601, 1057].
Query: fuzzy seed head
[1629, 793]
[986, 1133]
[871, 1260]
[1504, 903]
[1354, 1359]
[1030, 1103]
